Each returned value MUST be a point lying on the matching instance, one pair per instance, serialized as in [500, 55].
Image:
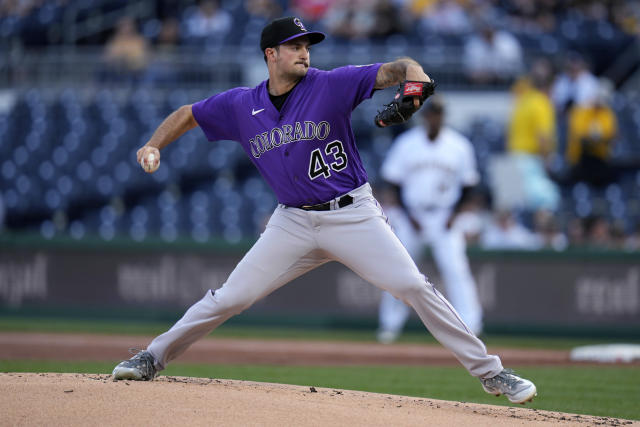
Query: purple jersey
[306, 151]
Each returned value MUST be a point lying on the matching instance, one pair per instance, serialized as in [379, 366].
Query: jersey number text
[319, 167]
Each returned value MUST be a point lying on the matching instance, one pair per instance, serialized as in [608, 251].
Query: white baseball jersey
[431, 173]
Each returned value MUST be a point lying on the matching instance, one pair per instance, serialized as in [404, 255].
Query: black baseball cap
[282, 30]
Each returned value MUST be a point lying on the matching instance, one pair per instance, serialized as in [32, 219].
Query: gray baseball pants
[296, 241]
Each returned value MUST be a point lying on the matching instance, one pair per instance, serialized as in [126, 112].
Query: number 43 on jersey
[334, 158]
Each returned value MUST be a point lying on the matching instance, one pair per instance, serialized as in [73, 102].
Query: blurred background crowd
[548, 92]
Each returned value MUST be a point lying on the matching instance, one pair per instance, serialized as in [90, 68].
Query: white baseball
[150, 164]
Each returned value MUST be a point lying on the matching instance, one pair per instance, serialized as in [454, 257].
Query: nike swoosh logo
[254, 112]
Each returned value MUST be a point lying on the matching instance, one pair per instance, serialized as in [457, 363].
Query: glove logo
[414, 88]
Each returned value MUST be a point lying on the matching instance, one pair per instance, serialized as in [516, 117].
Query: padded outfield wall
[575, 292]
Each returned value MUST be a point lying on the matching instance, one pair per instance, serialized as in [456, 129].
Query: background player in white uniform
[296, 129]
[433, 169]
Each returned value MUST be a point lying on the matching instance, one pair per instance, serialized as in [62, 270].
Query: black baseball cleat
[141, 367]
[517, 390]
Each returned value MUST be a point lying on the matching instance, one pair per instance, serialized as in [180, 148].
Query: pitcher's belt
[343, 201]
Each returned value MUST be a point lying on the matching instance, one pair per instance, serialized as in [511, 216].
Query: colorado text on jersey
[288, 133]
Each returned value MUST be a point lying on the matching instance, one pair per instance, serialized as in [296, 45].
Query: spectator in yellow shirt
[532, 137]
[532, 128]
[592, 132]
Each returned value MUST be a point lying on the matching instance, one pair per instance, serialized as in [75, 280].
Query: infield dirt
[89, 399]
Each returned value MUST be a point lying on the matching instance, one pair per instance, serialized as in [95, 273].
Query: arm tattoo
[393, 73]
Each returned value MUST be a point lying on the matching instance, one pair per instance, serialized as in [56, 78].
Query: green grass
[58, 325]
[602, 391]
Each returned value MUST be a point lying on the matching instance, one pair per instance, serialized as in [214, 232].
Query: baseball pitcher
[295, 127]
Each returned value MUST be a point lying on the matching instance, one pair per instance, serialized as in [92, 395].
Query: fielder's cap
[282, 30]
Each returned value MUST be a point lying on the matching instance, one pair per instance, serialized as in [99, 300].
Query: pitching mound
[83, 399]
